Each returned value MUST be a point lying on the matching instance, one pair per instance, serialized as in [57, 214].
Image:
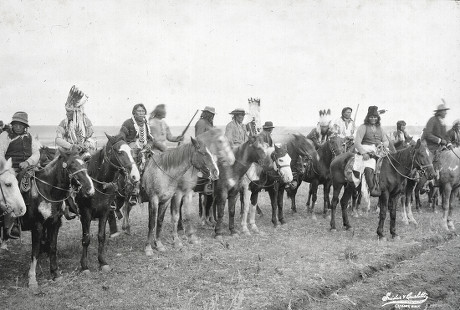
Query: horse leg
[151, 236]
[383, 202]
[252, 211]
[53, 231]
[176, 201]
[326, 199]
[344, 204]
[162, 207]
[337, 187]
[219, 205]
[450, 223]
[36, 241]
[126, 209]
[231, 212]
[313, 192]
[101, 242]
[85, 220]
[279, 192]
[404, 202]
[291, 194]
[446, 191]
[112, 224]
[393, 202]
[190, 219]
[272, 195]
[309, 197]
[244, 215]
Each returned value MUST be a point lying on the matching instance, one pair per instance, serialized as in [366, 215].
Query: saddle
[353, 176]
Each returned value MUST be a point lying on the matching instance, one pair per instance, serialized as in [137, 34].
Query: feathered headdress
[324, 117]
[76, 99]
[77, 127]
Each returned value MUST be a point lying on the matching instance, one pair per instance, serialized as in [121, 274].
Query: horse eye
[281, 160]
[8, 184]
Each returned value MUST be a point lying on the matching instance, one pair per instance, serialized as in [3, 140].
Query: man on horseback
[266, 133]
[321, 133]
[206, 121]
[235, 131]
[370, 136]
[76, 129]
[344, 126]
[23, 149]
[454, 134]
[400, 137]
[435, 133]
[160, 130]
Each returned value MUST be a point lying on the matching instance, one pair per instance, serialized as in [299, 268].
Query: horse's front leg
[126, 209]
[101, 242]
[450, 222]
[162, 207]
[151, 236]
[53, 231]
[291, 193]
[313, 192]
[85, 220]
[219, 204]
[176, 202]
[253, 203]
[348, 192]
[446, 191]
[393, 202]
[337, 187]
[272, 194]
[190, 218]
[37, 233]
[279, 191]
[231, 212]
[245, 198]
[383, 203]
[326, 199]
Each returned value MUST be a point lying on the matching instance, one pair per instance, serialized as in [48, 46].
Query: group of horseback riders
[139, 132]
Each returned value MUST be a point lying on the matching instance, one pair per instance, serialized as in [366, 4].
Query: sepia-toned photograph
[247, 154]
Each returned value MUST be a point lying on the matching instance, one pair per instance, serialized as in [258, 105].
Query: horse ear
[418, 144]
[9, 164]
[109, 137]
[195, 142]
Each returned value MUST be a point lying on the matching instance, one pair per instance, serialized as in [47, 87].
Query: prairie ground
[299, 265]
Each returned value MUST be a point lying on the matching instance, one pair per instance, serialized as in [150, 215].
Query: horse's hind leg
[126, 209]
[85, 219]
[337, 187]
[101, 242]
[189, 218]
[53, 231]
[348, 192]
[383, 203]
[176, 201]
[162, 207]
[151, 236]
[279, 191]
[393, 202]
[313, 192]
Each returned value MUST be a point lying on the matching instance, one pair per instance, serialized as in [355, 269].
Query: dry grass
[290, 267]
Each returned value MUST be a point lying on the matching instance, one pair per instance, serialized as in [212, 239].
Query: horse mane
[95, 162]
[301, 145]
[174, 157]
[404, 155]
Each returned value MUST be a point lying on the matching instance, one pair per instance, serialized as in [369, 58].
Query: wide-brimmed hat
[401, 123]
[238, 111]
[373, 111]
[268, 125]
[456, 122]
[442, 107]
[21, 117]
[209, 109]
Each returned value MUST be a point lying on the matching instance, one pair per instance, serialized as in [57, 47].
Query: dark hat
[238, 111]
[21, 117]
[268, 125]
[400, 123]
[372, 111]
[442, 107]
[137, 106]
[209, 109]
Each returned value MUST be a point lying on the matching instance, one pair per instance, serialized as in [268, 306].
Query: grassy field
[292, 267]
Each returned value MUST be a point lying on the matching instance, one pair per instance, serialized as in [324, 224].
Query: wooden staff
[188, 125]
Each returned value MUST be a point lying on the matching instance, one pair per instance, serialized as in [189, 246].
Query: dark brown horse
[105, 167]
[395, 169]
[252, 151]
[49, 188]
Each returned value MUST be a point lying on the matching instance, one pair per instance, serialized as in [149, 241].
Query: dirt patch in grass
[298, 265]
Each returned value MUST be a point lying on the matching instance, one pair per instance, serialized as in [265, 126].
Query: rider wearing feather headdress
[321, 133]
[76, 129]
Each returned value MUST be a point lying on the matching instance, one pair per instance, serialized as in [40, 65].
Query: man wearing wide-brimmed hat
[235, 131]
[266, 133]
[206, 121]
[454, 133]
[370, 136]
[435, 133]
[18, 144]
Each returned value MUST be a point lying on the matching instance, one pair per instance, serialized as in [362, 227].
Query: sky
[298, 57]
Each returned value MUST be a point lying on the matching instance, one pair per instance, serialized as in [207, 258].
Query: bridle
[414, 159]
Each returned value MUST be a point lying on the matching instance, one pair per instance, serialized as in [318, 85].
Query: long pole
[188, 125]
[356, 112]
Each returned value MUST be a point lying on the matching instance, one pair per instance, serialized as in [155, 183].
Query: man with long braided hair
[206, 121]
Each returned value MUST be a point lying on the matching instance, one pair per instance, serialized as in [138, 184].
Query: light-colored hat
[238, 111]
[268, 125]
[456, 122]
[324, 117]
[21, 117]
[442, 107]
[209, 109]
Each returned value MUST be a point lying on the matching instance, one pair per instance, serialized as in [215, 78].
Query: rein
[167, 174]
[421, 167]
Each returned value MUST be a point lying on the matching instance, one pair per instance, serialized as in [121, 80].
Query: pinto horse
[272, 175]
[173, 173]
[47, 154]
[105, 167]
[50, 187]
[252, 151]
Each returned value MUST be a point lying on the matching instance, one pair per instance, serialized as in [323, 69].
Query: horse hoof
[347, 227]
[451, 226]
[106, 268]
[246, 232]
[194, 240]
[313, 217]
[86, 272]
[355, 215]
[283, 221]
[294, 210]
[234, 234]
[383, 239]
[219, 237]
[333, 230]
[396, 238]
[114, 235]
[149, 252]
[58, 279]
[33, 285]
[161, 248]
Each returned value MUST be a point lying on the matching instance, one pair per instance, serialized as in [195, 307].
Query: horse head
[337, 145]
[74, 164]
[282, 162]
[118, 154]
[204, 161]
[218, 144]
[258, 149]
[424, 159]
[11, 200]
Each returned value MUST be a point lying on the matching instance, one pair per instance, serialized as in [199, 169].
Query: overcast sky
[297, 56]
